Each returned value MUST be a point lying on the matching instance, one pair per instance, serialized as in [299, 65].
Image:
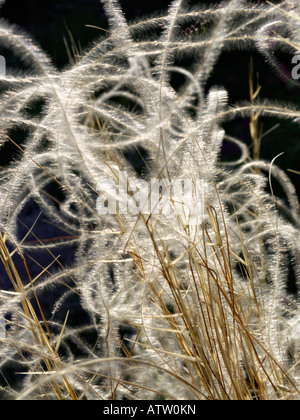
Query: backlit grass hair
[183, 305]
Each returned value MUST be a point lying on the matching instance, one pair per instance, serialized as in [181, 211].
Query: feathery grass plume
[180, 267]
[281, 34]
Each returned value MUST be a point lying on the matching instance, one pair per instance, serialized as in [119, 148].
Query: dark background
[47, 20]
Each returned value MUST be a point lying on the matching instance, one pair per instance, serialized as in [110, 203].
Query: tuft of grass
[183, 299]
[36, 325]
